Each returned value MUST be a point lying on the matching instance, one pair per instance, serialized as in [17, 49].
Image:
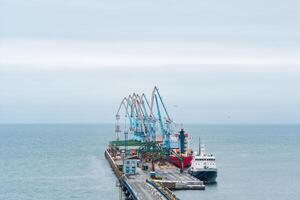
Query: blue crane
[166, 132]
[143, 121]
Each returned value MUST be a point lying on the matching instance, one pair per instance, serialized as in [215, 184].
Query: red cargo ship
[187, 160]
[181, 154]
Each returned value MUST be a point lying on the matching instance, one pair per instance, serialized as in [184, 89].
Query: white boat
[204, 166]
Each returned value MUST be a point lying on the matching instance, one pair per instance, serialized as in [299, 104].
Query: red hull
[186, 161]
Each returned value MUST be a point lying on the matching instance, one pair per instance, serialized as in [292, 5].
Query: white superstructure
[203, 160]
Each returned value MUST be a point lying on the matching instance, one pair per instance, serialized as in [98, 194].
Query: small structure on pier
[130, 165]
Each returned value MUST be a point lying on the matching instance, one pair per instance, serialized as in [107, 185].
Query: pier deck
[140, 186]
[174, 180]
[145, 191]
[137, 186]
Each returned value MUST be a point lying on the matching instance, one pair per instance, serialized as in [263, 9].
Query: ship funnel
[182, 139]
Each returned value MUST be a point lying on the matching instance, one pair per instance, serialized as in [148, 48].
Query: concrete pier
[137, 187]
[141, 186]
[173, 179]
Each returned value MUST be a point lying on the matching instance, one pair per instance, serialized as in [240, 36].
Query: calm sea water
[50, 162]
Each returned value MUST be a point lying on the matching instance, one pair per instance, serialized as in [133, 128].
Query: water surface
[67, 162]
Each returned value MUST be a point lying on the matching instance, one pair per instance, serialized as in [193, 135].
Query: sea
[66, 161]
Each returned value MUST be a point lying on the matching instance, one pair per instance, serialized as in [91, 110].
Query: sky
[228, 62]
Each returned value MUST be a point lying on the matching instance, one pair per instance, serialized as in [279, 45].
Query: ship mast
[199, 147]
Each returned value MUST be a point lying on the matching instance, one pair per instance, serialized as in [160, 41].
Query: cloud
[66, 53]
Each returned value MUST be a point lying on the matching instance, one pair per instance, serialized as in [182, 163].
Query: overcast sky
[213, 61]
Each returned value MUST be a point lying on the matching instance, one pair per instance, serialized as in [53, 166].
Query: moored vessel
[181, 156]
[203, 166]
[186, 161]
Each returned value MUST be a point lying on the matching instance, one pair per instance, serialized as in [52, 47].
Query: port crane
[164, 124]
[137, 111]
[146, 118]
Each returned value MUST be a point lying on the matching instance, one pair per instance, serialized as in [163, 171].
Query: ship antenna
[199, 147]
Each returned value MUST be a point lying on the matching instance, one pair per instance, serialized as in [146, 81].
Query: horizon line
[112, 123]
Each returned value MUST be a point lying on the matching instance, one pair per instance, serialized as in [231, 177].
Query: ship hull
[207, 176]
[187, 160]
